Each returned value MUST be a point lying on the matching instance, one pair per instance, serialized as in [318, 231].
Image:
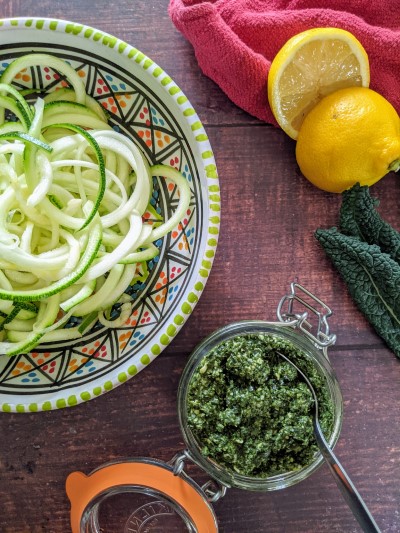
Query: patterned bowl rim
[209, 170]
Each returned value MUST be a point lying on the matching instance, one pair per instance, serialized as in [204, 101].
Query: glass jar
[162, 496]
[310, 351]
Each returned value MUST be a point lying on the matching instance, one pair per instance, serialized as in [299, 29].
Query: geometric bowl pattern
[145, 104]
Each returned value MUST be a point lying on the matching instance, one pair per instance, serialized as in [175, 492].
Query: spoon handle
[346, 486]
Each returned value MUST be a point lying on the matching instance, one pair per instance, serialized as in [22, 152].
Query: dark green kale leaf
[349, 214]
[372, 278]
[359, 218]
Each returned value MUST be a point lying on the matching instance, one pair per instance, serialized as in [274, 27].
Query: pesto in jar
[250, 411]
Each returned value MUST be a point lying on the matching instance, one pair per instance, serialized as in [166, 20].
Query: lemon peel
[352, 135]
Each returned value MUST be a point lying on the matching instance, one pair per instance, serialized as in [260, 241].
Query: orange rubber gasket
[81, 489]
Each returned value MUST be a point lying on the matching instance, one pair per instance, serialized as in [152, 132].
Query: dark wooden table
[270, 213]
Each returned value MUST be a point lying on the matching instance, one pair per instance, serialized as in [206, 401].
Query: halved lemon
[311, 65]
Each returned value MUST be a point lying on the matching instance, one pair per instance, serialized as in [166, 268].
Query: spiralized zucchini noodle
[73, 194]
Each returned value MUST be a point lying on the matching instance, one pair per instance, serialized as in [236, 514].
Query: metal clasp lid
[213, 489]
[319, 333]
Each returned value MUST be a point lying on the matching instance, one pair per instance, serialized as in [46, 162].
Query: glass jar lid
[138, 495]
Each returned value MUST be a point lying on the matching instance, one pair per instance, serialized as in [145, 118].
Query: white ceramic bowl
[145, 104]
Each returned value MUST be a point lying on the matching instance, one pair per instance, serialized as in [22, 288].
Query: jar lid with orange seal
[138, 495]
[143, 494]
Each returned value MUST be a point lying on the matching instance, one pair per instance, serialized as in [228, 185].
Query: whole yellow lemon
[350, 136]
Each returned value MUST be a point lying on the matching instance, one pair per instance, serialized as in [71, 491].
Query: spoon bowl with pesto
[245, 413]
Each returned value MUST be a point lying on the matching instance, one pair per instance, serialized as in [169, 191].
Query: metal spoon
[346, 486]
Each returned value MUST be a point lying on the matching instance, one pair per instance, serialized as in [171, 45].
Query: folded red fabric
[236, 40]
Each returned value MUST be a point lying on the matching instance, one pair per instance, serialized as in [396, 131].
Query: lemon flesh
[310, 66]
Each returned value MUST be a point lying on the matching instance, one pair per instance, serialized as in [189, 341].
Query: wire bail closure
[213, 489]
[318, 309]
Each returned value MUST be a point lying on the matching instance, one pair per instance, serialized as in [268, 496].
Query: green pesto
[249, 410]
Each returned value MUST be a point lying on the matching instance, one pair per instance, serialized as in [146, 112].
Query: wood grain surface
[269, 215]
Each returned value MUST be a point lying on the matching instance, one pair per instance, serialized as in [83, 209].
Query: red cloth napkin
[236, 40]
